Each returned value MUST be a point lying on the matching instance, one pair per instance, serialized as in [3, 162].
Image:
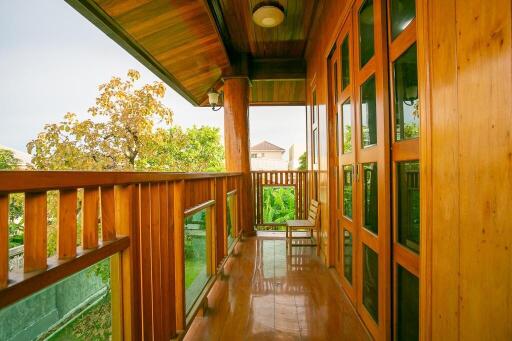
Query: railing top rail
[33, 181]
[279, 171]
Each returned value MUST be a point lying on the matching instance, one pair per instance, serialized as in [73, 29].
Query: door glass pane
[407, 115]
[338, 188]
[347, 191]
[408, 182]
[371, 282]
[337, 134]
[345, 64]
[402, 13]
[366, 48]
[347, 255]
[370, 197]
[368, 113]
[336, 83]
[407, 305]
[196, 259]
[346, 111]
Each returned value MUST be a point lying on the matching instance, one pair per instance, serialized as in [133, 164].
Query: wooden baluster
[298, 207]
[35, 238]
[167, 274]
[4, 240]
[145, 260]
[260, 200]
[108, 214]
[179, 255]
[66, 238]
[125, 213]
[90, 210]
[156, 255]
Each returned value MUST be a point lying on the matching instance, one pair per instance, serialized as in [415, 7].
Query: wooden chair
[310, 224]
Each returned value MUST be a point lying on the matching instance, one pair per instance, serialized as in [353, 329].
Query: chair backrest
[314, 212]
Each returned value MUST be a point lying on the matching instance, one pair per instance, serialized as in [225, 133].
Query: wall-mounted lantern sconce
[215, 99]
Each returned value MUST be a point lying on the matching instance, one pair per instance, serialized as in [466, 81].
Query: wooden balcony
[134, 219]
[139, 221]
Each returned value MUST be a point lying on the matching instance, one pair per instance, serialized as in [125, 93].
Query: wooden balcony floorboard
[266, 294]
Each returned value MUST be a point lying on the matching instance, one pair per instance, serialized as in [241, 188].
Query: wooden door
[375, 165]
[341, 102]
[405, 116]
[372, 171]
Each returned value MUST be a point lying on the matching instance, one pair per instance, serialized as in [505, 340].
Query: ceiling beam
[277, 69]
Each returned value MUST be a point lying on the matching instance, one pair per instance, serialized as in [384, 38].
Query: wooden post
[4, 240]
[237, 144]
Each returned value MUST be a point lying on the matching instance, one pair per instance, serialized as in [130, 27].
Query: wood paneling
[180, 42]
[466, 46]
[285, 40]
[179, 37]
[278, 92]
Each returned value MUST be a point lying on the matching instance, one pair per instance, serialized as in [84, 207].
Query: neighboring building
[268, 156]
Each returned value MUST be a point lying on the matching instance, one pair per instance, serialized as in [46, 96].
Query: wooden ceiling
[191, 44]
[286, 40]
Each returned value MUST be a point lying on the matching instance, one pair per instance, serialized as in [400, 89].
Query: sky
[52, 60]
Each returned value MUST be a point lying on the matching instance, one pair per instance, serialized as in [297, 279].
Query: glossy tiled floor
[267, 295]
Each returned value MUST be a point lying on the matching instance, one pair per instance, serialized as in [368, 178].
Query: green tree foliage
[278, 204]
[196, 149]
[9, 162]
[129, 129]
[123, 126]
[303, 162]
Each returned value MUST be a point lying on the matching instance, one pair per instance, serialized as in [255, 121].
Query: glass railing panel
[76, 308]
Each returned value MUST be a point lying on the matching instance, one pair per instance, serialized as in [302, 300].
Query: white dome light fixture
[268, 14]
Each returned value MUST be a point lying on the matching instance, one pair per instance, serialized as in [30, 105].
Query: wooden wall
[465, 75]
[465, 56]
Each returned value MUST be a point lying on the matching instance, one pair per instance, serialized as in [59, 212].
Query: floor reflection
[269, 295]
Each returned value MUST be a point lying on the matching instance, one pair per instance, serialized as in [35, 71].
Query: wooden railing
[298, 180]
[141, 217]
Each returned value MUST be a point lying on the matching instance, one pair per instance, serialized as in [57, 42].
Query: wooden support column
[236, 137]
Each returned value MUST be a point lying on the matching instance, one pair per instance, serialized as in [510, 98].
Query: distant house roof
[266, 146]
[25, 158]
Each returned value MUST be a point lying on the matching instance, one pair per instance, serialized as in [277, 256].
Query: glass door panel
[405, 115]
[371, 282]
[407, 301]
[366, 34]
[368, 113]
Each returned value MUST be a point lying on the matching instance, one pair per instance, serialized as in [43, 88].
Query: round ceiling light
[268, 15]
